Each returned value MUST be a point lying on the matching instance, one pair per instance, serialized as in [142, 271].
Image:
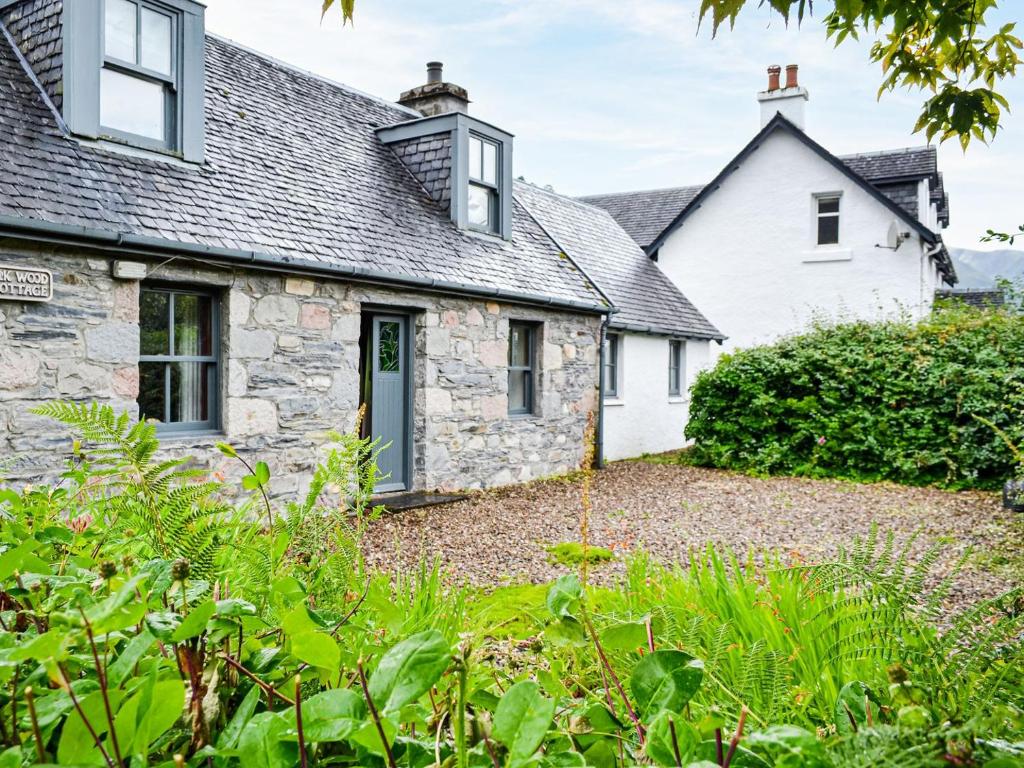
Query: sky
[616, 95]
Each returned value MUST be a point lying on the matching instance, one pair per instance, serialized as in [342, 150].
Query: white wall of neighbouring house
[644, 417]
[749, 259]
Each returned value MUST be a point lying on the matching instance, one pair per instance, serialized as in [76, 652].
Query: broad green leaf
[743, 757]
[788, 742]
[298, 621]
[14, 559]
[661, 745]
[163, 624]
[125, 663]
[852, 704]
[229, 736]
[49, 645]
[318, 649]
[625, 637]
[522, 720]
[76, 745]
[664, 681]
[262, 472]
[564, 596]
[194, 623]
[235, 607]
[262, 743]
[11, 758]
[333, 715]
[369, 738]
[409, 670]
[148, 714]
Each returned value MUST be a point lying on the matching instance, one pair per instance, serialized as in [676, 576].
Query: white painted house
[788, 232]
[654, 341]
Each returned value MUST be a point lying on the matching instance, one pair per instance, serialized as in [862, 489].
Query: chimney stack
[436, 97]
[789, 100]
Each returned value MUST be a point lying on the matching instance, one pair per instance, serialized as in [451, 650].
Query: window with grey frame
[179, 359]
[612, 344]
[521, 367]
[139, 93]
[484, 210]
[828, 219]
[676, 365]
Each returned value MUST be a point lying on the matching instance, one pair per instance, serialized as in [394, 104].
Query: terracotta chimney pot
[773, 77]
[791, 78]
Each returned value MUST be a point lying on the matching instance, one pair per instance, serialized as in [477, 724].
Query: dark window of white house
[138, 81]
[179, 359]
[484, 184]
[675, 367]
[612, 346]
[828, 220]
[521, 359]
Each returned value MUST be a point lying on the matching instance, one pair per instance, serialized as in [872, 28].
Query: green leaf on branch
[409, 670]
[664, 681]
[522, 720]
[564, 596]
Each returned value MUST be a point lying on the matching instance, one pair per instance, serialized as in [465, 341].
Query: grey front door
[390, 399]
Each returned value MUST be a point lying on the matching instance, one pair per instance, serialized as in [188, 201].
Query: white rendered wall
[644, 418]
[748, 257]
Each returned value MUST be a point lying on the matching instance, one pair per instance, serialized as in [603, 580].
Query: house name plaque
[25, 284]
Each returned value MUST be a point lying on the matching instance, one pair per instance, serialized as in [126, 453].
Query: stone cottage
[243, 251]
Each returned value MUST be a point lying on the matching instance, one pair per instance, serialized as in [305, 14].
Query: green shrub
[871, 401]
[572, 553]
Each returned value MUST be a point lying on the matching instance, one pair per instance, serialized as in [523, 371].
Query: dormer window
[484, 188]
[138, 88]
[134, 72]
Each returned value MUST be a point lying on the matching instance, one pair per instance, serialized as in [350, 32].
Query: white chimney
[790, 100]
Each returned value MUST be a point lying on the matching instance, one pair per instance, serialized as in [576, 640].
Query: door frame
[372, 314]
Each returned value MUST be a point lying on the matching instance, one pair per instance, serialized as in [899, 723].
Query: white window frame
[819, 215]
[612, 368]
[676, 367]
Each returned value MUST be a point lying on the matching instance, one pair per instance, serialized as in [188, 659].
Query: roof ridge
[642, 191]
[311, 74]
[881, 152]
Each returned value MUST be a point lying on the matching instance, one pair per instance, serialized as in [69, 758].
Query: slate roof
[645, 299]
[895, 173]
[293, 171]
[644, 215]
[975, 297]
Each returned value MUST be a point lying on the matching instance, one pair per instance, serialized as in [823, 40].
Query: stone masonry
[289, 372]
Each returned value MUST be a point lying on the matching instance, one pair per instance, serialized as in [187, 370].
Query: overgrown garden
[148, 620]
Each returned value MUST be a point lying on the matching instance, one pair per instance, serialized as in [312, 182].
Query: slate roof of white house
[646, 214]
[645, 299]
[293, 172]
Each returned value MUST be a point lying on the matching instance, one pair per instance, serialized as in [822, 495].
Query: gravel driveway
[500, 536]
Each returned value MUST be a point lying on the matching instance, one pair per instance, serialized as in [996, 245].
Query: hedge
[871, 401]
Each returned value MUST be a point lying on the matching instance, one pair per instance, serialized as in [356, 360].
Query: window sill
[521, 416]
[678, 399]
[827, 253]
[616, 401]
[199, 437]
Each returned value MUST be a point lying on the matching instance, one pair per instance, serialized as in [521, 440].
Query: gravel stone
[500, 536]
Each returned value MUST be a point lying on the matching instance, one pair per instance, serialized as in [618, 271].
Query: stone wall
[290, 361]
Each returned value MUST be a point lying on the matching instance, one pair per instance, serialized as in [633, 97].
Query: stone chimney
[789, 100]
[436, 97]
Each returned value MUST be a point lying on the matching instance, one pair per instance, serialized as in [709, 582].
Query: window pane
[828, 230]
[475, 151]
[490, 163]
[151, 391]
[480, 207]
[156, 41]
[119, 30]
[153, 323]
[132, 105]
[389, 354]
[518, 391]
[828, 205]
[519, 346]
[192, 321]
[190, 392]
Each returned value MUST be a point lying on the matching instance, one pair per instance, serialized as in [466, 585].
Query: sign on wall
[25, 284]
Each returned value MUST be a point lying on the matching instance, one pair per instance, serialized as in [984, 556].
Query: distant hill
[979, 269]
